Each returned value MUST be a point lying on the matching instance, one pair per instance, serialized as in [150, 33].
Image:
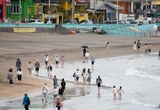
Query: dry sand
[33, 46]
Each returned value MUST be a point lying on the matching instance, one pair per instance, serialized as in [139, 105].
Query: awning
[156, 2]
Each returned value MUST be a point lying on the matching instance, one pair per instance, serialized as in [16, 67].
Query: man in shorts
[44, 92]
[37, 66]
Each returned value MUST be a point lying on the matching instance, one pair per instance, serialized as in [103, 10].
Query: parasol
[84, 46]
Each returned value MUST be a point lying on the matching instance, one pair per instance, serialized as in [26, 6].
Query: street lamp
[117, 12]
[73, 10]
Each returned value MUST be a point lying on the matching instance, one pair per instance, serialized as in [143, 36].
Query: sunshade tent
[156, 2]
[84, 46]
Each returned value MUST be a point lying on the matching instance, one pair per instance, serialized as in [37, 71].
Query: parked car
[123, 22]
[86, 22]
[35, 21]
[68, 21]
[145, 20]
[127, 21]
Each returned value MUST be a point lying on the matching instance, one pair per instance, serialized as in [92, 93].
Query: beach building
[2, 10]
[60, 10]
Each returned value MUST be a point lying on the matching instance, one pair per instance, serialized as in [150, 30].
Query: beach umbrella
[84, 46]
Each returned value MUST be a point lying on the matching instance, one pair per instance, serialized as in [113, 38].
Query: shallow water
[137, 74]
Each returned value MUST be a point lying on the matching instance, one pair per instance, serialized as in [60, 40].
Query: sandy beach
[32, 46]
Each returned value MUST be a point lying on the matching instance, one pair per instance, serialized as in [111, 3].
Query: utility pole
[20, 11]
[117, 12]
[73, 10]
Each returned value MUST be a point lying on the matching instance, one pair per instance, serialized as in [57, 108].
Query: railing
[110, 29]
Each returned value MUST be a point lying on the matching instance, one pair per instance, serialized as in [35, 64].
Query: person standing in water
[114, 92]
[99, 82]
[44, 92]
[120, 92]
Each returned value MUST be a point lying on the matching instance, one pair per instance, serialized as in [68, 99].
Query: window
[15, 9]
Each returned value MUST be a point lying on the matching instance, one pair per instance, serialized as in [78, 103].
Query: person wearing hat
[10, 76]
[37, 66]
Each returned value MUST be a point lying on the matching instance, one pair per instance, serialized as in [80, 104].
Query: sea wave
[137, 102]
[146, 72]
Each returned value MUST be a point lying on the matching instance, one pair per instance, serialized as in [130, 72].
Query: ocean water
[139, 75]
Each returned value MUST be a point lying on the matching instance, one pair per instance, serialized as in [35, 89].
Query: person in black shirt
[63, 84]
[99, 82]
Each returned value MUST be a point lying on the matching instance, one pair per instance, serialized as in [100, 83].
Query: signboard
[24, 29]
[8, 2]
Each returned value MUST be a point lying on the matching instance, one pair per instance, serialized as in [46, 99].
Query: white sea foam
[136, 102]
[142, 73]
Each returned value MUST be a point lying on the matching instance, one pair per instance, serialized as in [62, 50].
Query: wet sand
[32, 46]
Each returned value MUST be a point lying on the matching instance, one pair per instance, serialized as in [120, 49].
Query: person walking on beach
[58, 103]
[46, 60]
[89, 76]
[63, 84]
[149, 49]
[10, 76]
[120, 92]
[92, 60]
[56, 60]
[49, 70]
[44, 92]
[84, 75]
[19, 75]
[84, 52]
[114, 92]
[87, 56]
[107, 46]
[60, 92]
[26, 102]
[37, 66]
[18, 64]
[77, 73]
[159, 54]
[145, 49]
[138, 45]
[99, 82]
[55, 82]
[55, 93]
[30, 67]
[134, 46]
[62, 61]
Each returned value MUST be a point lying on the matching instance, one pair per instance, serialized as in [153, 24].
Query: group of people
[136, 46]
[18, 75]
[116, 91]
[147, 47]
[86, 75]
[47, 64]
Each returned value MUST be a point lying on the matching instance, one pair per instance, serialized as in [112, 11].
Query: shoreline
[30, 47]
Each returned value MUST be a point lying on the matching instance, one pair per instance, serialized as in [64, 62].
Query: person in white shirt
[19, 75]
[87, 56]
[56, 60]
[84, 76]
[44, 92]
[46, 60]
[77, 73]
[55, 92]
[120, 92]
[114, 92]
